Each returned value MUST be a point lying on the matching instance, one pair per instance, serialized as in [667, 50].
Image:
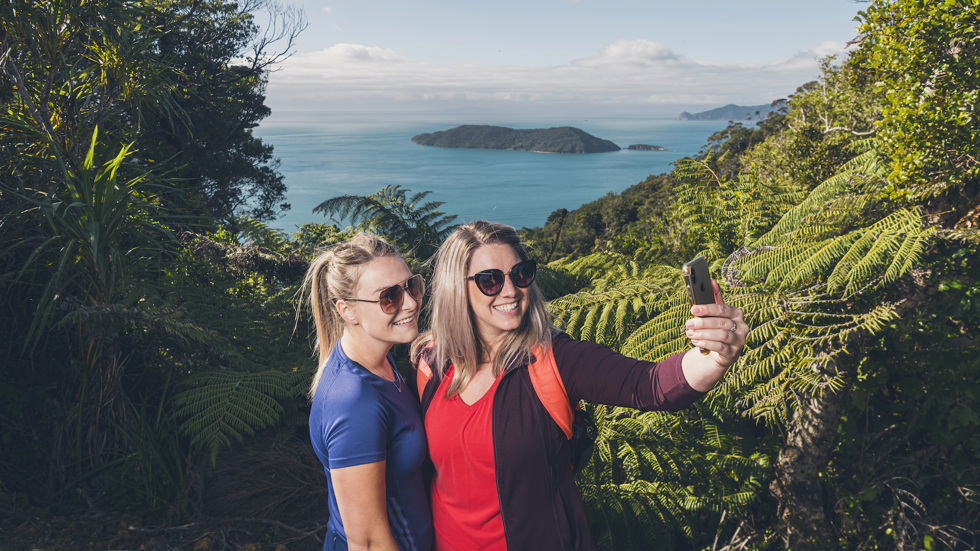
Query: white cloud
[624, 73]
[806, 58]
[327, 9]
[343, 54]
[632, 53]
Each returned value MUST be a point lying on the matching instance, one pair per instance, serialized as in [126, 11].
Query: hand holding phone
[717, 325]
[697, 279]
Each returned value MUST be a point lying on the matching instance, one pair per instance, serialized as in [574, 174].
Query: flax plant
[100, 230]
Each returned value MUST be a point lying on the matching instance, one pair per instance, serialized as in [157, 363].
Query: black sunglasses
[491, 282]
[391, 298]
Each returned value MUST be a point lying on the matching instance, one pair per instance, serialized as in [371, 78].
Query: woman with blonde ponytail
[503, 466]
[364, 422]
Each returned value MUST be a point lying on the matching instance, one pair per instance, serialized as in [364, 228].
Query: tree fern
[802, 285]
[257, 376]
[223, 406]
[555, 281]
[664, 334]
[597, 266]
[653, 474]
[886, 249]
[406, 220]
[834, 234]
[793, 342]
[618, 300]
[723, 212]
[837, 202]
[258, 234]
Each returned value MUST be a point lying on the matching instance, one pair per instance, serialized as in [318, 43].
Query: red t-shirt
[465, 506]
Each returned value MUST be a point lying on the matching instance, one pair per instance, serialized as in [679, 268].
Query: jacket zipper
[496, 467]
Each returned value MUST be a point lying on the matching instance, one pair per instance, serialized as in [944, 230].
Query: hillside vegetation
[152, 361]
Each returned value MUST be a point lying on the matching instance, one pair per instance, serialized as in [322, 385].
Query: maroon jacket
[540, 506]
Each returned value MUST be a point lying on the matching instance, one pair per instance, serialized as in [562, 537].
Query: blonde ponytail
[332, 276]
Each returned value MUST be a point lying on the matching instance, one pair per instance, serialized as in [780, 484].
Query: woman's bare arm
[361, 500]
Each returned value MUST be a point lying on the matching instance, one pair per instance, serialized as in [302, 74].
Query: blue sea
[325, 156]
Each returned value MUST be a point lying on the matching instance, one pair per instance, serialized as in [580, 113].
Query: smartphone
[698, 281]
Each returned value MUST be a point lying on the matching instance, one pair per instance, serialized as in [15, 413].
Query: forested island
[645, 147]
[154, 370]
[563, 139]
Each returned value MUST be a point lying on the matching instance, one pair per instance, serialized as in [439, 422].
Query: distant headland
[645, 147]
[732, 112]
[563, 139]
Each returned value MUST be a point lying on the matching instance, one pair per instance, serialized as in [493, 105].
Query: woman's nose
[409, 302]
[509, 289]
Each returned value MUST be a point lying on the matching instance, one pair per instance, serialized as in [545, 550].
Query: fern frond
[885, 250]
[392, 213]
[663, 335]
[555, 281]
[664, 470]
[835, 203]
[791, 349]
[259, 234]
[607, 316]
[222, 406]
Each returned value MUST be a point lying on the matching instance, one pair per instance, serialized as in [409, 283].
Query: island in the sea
[645, 147]
[732, 112]
[563, 139]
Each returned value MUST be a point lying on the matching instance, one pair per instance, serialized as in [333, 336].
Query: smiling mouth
[506, 308]
[405, 321]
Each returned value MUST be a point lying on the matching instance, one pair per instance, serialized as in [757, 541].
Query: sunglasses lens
[490, 282]
[416, 286]
[391, 299]
[522, 274]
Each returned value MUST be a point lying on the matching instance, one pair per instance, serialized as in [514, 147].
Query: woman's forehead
[383, 272]
[495, 255]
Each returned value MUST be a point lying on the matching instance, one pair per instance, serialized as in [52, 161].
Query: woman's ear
[347, 312]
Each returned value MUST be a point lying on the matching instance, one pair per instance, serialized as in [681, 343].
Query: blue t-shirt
[358, 418]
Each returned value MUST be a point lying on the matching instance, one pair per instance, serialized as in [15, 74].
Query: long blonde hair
[453, 332]
[333, 276]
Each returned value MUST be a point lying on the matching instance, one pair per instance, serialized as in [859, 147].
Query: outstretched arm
[720, 329]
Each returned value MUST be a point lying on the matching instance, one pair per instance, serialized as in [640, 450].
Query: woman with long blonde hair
[364, 422]
[503, 466]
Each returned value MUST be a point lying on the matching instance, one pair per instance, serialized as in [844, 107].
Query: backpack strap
[544, 378]
[422, 374]
[550, 389]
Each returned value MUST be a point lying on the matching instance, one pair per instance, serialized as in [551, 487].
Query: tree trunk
[812, 435]
[809, 441]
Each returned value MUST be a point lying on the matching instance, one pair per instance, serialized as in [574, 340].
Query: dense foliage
[926, 58]
[222, 58]
[96, 204]
[149, 327]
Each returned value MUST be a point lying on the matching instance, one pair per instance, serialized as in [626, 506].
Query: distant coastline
[562, 139]
[323, 157]
[732, 112]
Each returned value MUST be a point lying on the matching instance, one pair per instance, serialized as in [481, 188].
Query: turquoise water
[324, 157]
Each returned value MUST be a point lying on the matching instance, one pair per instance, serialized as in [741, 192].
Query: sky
[556, 57]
